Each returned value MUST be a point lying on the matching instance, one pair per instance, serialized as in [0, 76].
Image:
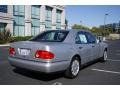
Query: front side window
[81, 38]
[91, 38]
[51, 36]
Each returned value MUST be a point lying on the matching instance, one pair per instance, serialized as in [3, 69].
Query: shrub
[5, 36]
[20, 38]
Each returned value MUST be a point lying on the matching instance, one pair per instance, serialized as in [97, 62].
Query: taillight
[41, 54]
[11, 51]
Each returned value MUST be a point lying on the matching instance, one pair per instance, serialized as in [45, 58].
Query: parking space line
[113, 60]
[57, 83]
[118, 54]
[100, 70]
[117, 50]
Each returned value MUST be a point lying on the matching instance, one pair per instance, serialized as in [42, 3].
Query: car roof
[73, 30]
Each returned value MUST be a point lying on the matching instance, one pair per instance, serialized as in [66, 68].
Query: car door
[93, 43]
[83, 47]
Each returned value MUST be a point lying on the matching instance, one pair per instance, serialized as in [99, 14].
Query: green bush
[20, 38]
[5, 36]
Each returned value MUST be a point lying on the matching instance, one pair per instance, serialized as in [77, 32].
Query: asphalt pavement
[107, 73]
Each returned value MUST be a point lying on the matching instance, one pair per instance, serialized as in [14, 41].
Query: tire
[104, 57]
[73, 69]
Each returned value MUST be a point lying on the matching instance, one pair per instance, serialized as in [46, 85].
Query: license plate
[24, 51]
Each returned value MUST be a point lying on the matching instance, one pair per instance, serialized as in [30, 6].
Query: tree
[76, 26]
[100, 31]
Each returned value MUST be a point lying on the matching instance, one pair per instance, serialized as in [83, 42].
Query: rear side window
[51, 36]
[81, 38]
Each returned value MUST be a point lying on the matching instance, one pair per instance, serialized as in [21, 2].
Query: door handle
[80, 47]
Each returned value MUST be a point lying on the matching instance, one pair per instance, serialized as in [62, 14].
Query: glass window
[35, 31]
[48, 13]
[19, 20]
[58, 26]
[35, 11]
[19, 10]
[21, 30]
[48, 16]
[3, 8]
[16, 31]
[2, 26]
[48, 25]
[19, 23]
[35, 22]
[51, 36]
[81, 38]
[90, 37]
[58, 19]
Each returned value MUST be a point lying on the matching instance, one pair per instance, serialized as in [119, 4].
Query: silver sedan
[57, 50]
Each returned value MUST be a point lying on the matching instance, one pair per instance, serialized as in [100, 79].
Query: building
[115, 27]
[27, 20]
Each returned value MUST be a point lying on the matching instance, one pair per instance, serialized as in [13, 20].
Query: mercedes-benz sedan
[57, 50]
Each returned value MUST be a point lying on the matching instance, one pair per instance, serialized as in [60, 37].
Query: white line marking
[113, 60]
[57, 83]
[117, 50]
[100, 70]
[117, 54]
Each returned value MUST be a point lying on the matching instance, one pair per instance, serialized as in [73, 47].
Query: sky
[92, 15]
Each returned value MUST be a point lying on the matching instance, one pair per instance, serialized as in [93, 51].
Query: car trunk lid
[26, 49]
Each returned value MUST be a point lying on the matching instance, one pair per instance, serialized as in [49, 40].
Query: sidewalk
[4, 45]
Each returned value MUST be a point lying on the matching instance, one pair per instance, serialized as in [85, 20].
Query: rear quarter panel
[62, 51]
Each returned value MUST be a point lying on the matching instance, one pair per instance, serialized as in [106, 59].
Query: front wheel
[104, 58]
[74, 68]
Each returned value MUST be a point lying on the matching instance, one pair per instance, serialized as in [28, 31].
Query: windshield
[51, 36]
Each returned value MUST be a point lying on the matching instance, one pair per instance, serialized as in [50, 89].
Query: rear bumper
[46, 67]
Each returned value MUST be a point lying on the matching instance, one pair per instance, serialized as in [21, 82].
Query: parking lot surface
[107, 73]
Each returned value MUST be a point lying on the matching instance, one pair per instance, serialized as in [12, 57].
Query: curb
[4, 45]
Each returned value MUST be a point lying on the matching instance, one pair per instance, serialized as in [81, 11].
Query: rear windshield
[51, 36]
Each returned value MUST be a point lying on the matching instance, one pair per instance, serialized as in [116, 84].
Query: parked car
[57, 50]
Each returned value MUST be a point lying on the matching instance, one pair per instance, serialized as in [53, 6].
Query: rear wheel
[74, 68]
[104, 57]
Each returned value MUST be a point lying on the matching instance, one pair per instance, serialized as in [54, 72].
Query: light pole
[105, 19]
